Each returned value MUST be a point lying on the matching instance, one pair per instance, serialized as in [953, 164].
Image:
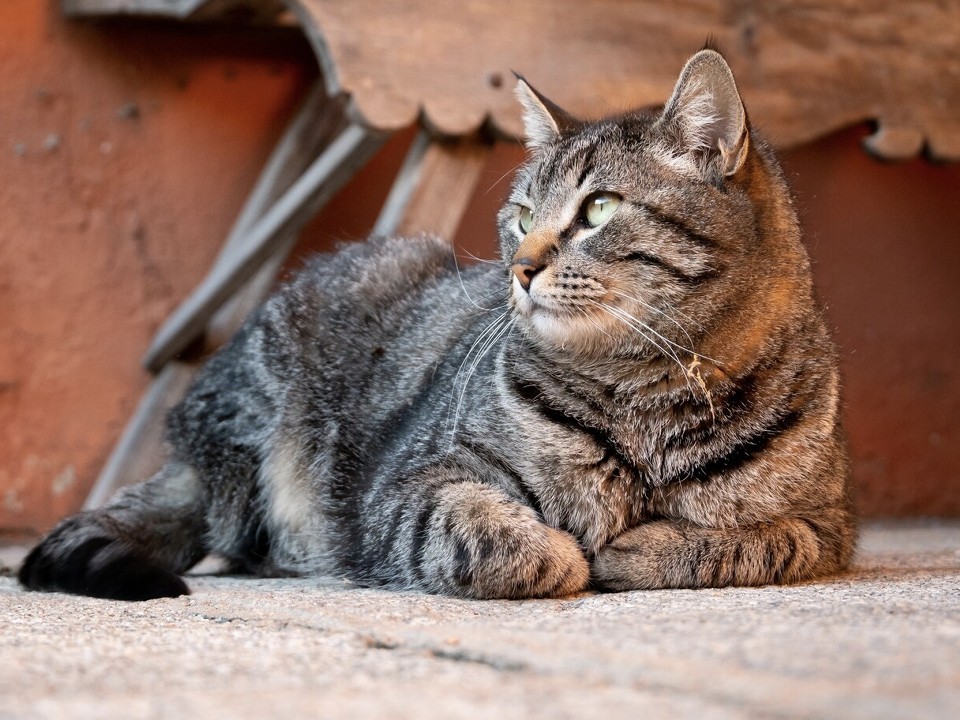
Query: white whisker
[508, 172]
[463, 287]
[593, 321]
[640, 327]
[480, 347]
[648, 306]
[670, 344]
[479, 259]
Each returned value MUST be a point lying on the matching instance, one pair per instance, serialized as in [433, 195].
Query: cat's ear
[543, 120]
[706, 116]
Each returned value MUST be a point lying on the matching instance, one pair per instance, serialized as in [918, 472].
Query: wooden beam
[404, 185]
[245, 11]
[327, 174]
[804, 69]
[434, 186]
[140, 449]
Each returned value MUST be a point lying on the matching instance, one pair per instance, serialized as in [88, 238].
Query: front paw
[678, 554]
[635, 559]
[486, 546]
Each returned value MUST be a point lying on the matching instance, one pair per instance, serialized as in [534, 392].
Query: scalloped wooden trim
[805, 70]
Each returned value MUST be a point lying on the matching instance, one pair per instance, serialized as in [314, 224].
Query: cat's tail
[131, 549]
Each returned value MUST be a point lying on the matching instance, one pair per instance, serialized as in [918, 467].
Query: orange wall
[125, 153]
[109, 216]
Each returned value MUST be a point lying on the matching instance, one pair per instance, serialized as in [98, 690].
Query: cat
[642, 394]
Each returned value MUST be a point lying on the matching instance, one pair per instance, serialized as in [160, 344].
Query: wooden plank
[404, 185]
[246, 11]
[318, 121]
[805, 69]
[433, 187]
[140, 451]
[327, 174]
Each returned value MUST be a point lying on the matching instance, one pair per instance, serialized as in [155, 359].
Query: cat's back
[366, 324]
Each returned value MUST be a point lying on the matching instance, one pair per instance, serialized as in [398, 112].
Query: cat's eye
[526, 219]
[600, 207]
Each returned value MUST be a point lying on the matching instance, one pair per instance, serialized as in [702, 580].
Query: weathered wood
[318, 121]
[433, 187]
[328, 173]
[805, 69]
[404, 185]
[447, 178]
[140, 450]
[248, 11]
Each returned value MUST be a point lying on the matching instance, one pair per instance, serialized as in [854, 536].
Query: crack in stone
[464, 655]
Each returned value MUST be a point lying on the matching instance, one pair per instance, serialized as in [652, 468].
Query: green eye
[526, 219]
[600, 207]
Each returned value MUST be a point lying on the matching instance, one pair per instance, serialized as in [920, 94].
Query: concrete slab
[880, 642]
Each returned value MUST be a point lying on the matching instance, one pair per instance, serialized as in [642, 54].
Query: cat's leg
[469, 539]
[131, 549]
[679, 554]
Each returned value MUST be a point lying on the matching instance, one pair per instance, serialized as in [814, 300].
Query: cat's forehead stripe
[586, 164]
[568, 161]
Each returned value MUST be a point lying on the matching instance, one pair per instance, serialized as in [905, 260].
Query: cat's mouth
[558, 320]
[534, 301]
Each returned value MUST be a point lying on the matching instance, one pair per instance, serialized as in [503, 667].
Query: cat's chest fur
[591, 457]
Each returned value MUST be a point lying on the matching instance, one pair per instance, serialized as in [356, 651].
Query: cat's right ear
[543, 120]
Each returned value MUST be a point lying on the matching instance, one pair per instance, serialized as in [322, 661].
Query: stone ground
[880, 642]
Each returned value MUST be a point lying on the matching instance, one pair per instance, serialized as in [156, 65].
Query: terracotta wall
[126, 150]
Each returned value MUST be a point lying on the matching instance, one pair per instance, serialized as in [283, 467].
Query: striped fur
[649, 401]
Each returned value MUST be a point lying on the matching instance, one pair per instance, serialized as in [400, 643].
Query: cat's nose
[526, 269]
[533, 255]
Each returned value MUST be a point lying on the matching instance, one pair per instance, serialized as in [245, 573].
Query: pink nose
[526, 269]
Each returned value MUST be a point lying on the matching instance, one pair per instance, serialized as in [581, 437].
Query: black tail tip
[100, 568]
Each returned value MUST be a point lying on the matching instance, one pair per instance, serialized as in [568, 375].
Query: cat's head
[635, 230]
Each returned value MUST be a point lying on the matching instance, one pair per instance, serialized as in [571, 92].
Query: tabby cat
[643, 394]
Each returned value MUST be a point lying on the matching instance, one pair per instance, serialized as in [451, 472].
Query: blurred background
[127, 148]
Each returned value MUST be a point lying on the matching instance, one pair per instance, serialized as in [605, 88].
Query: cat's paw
[676, 554]
[486, 546]
[563, 569]
[635, 559]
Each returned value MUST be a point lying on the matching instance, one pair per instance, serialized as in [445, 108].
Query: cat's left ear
[543, 120]
[706, 115]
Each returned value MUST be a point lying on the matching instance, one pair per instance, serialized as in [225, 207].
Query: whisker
[463, 287]
[490, 343]
[680, 313]
[639, 327]
[485, 340]
[648, 306]
[479, 339]
[479, 259]
[500, 179]
[593, 321]
[637, 322]
[697, 356]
